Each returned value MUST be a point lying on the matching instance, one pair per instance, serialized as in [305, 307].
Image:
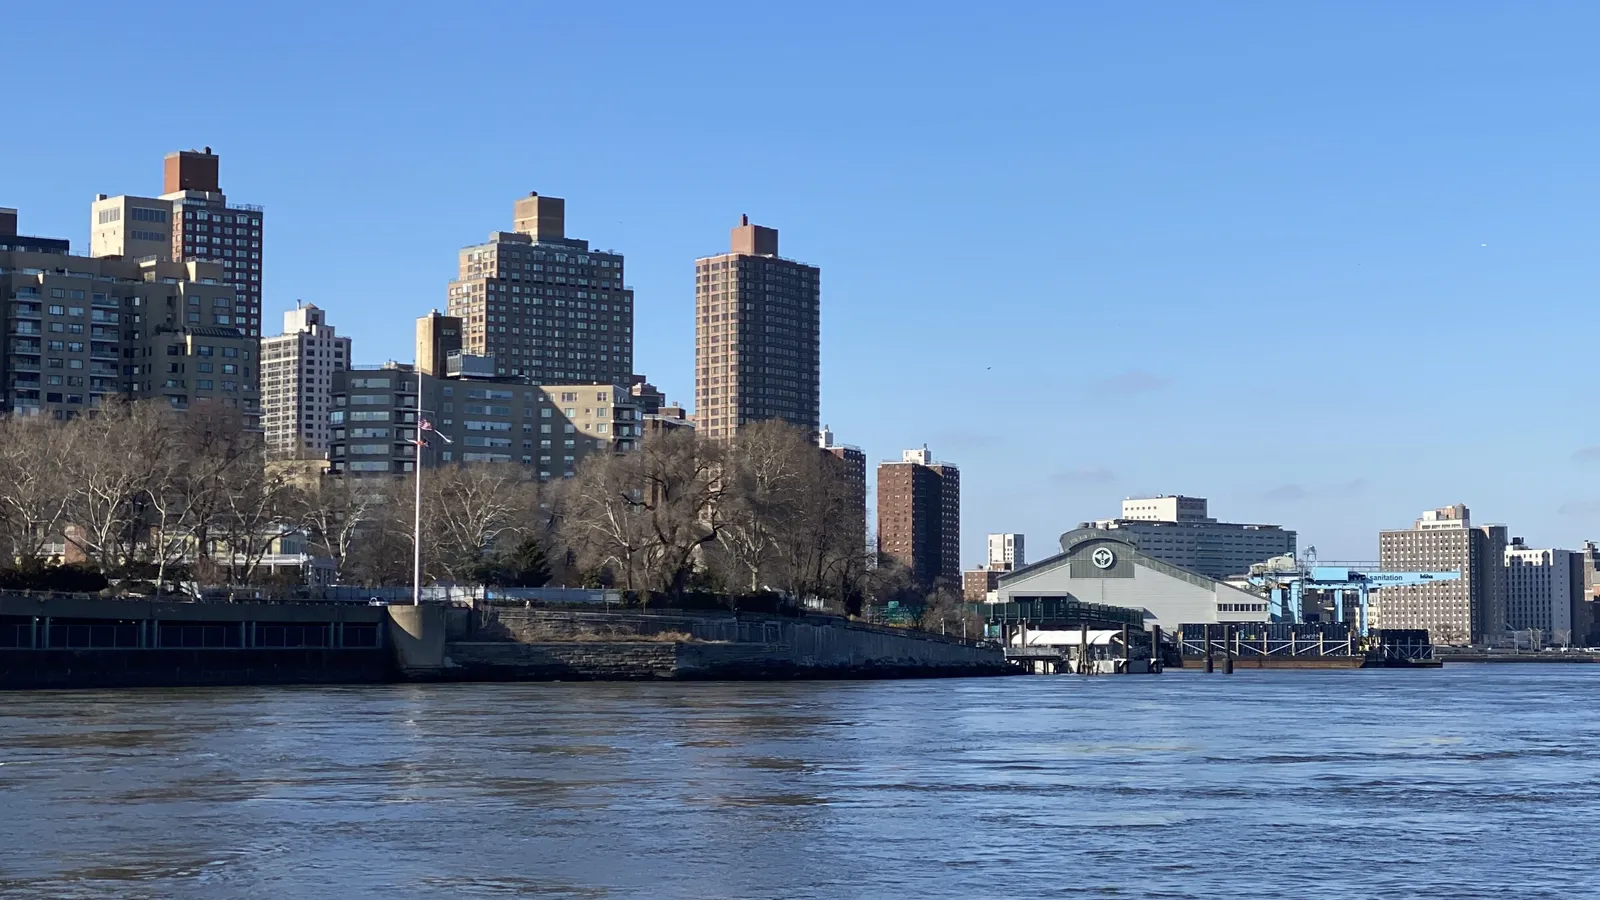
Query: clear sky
[1326, 263]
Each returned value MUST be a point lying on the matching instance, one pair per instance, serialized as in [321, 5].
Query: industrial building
[1102, 566]
[1178, 530]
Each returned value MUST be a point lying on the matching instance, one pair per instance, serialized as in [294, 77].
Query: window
[368, 465]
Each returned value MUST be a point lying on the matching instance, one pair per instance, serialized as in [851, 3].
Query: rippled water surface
[1467, 782]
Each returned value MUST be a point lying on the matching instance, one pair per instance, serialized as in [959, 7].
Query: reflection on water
[1465, 782]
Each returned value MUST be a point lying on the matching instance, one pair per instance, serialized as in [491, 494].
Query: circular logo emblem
[1103, 558]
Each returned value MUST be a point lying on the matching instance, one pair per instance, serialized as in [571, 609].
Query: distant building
[757, 336]
[919, 516]
[191, 221]
[1541, 593]
[650, 397]
[1177, 529]
[297, 383]
[978, 584]
[486, 417]
[543, 305]
[1585, 620]
[81, 329]
[1104, 566]
[1471, 609]
[1006, 552]
[851, 465]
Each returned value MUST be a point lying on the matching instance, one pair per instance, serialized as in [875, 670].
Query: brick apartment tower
[919, 516]
[757, 336]
[192, 221]
[850, 463]
[544, 305]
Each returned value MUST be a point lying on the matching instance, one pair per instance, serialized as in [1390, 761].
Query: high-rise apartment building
[1586, 575]
[1178, 530]
[1542, 593]
[850, 465]
[919, 516]
[79, 330]
[1472, 609]
[1007, 552]
[192, 221]
[297, 370]
[757, 336]
[487, 417]
[544, 306]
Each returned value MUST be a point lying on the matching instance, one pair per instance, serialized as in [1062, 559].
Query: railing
[146, 634]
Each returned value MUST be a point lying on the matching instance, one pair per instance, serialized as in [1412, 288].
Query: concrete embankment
[68, 642]
[54, 641]
[517, 644]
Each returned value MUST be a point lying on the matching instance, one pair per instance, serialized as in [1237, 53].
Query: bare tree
[334, 511]
[35, 493]
[112, 460]
[603, 523]
[769, 469]
[646, 515]
[472, 510]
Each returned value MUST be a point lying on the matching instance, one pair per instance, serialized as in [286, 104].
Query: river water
[1466, 782]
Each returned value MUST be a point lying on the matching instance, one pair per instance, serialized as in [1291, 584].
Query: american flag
[425, 425]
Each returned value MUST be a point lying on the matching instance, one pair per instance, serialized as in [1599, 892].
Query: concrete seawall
[529, 645]
[65, 642]
[112, 668]
[90, 642]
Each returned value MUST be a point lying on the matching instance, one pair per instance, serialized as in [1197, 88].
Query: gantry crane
[1287, 579]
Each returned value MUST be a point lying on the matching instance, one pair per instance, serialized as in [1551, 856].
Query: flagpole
[416, 515]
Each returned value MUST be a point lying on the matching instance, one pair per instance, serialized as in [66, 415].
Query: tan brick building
[79, 330]
[545, 306]
[192, 221]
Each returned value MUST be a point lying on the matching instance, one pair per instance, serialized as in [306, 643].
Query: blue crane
[1287, 580]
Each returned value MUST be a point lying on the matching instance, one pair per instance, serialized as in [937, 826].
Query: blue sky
[1325, 263]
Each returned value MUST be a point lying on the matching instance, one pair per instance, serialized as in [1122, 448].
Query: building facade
[979, 585]
[79, 330]
[485, 417]
[850, 464]
[1586, 622]
[1541, 593]
[1007, 552]
[297, 369]
[1103, 566]
[192, 221]
[1179, 530]
[919, 516]
[757, 336]
[1469, 610]
[545, 306]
